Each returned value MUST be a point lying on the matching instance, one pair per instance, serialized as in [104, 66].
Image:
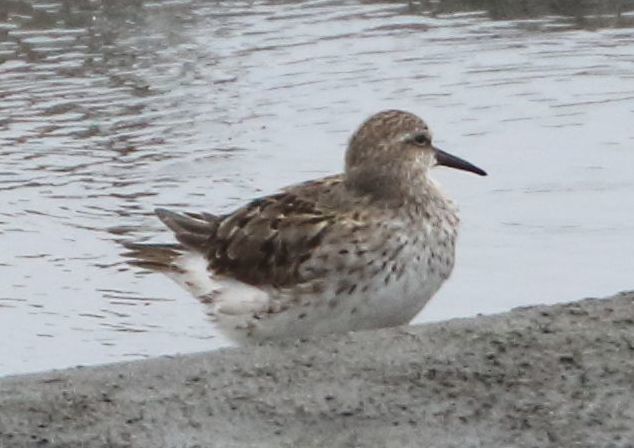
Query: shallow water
[108, 110]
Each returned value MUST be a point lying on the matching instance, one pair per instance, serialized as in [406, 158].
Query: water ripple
[109, 109]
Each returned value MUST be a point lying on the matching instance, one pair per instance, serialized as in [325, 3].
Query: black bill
[446, 159]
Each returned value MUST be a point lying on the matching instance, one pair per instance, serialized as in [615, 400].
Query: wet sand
[541, 376]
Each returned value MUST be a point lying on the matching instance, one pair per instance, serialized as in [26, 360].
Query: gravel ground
[560, 376]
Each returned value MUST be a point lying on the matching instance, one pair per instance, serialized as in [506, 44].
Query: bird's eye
[421, 139]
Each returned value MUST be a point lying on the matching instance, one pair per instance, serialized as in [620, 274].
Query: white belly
[389, 299]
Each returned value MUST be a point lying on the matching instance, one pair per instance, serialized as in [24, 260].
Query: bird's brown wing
[265, 242]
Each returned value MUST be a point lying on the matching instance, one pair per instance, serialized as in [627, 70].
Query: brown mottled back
[264, 242]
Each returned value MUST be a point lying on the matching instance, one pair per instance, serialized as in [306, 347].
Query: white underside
[226, 296]
[233, 305]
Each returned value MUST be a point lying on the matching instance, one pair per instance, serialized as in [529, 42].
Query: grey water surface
[111, 108]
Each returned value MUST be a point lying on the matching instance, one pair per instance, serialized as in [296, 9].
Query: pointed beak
[446, 159]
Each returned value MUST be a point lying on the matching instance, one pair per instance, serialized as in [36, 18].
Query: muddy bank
[542, 376]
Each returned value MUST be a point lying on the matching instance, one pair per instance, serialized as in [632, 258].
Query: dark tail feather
[192, 223]
[191, 230]
[155, 257]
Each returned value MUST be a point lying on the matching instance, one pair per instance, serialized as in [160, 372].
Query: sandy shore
[543, 376]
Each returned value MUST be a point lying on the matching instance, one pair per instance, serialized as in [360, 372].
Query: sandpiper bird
[360, 250]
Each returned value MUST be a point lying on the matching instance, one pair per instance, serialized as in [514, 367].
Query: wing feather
[265, 242]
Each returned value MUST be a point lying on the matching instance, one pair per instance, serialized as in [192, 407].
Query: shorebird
[364, 249]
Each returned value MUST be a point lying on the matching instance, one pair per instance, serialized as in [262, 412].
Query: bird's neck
[395, 185]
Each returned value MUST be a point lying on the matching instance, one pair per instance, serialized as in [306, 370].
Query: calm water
[109, 110]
